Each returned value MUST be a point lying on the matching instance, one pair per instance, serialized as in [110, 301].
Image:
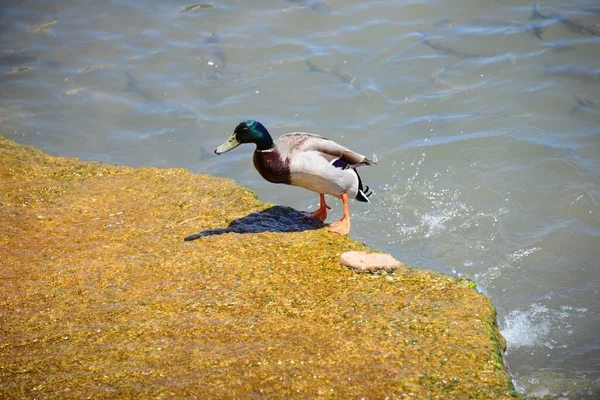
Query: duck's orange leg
[343, 225]
[321, 213]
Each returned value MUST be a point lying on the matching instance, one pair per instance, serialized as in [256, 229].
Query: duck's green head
[247, 132]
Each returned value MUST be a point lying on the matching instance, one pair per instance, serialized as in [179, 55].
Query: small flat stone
[370, 262]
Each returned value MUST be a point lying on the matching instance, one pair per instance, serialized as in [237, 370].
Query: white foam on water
[535, 327]
[526, 328]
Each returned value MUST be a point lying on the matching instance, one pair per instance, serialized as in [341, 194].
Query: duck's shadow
[273, 219]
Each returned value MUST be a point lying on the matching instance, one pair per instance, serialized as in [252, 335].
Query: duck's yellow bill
[230, 144]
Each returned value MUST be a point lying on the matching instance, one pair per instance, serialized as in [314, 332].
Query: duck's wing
[333, 152]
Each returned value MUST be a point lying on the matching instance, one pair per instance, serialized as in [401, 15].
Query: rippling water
[486, 125]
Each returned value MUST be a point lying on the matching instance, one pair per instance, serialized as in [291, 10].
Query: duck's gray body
[314, 163]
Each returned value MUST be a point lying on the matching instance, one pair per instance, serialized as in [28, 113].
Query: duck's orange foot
[321, 213]
[342, 226]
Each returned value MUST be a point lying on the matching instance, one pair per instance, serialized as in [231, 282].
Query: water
[488, 137]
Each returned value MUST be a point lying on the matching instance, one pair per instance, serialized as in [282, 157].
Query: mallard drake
[306, 160]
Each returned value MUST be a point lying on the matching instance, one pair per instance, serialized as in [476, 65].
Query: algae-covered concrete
[102, 297]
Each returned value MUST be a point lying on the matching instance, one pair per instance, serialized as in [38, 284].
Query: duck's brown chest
[272, 167]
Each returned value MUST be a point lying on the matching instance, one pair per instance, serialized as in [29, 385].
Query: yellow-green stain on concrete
[102, 297]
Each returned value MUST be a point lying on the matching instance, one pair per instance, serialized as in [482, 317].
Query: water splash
[425, 209]
[532, 327]
[526, 328]
[513, 261]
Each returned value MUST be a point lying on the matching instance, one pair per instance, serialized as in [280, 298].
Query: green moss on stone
[103, 298]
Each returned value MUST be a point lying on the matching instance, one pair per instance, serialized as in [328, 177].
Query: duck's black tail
[363, 190]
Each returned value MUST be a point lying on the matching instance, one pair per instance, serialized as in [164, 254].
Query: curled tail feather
[363, 190]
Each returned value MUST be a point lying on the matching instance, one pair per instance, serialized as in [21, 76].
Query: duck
[306, 160]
